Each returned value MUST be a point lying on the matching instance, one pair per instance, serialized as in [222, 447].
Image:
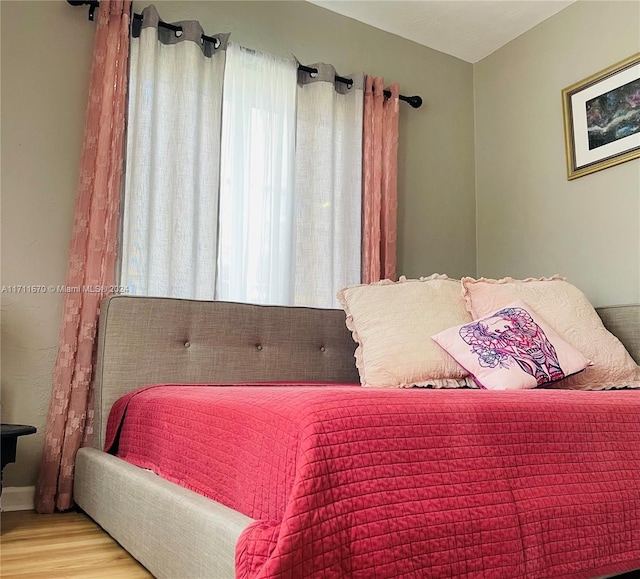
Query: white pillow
[572, 316]
[393, 322]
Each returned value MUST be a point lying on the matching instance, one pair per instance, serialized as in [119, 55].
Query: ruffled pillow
[393, 322]
[511, 349]
[572, 316]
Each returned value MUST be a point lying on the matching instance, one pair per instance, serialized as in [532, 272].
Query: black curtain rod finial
[414, 101]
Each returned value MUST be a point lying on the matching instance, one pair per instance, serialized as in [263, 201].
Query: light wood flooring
[71, 545]
[60, 546]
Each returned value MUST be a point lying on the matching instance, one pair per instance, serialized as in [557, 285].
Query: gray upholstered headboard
[624, 322]
[143, 340]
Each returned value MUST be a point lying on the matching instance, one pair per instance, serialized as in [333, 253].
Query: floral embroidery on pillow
[511, 348]
[511, 335]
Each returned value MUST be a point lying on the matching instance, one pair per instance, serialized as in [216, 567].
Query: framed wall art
[602, 119]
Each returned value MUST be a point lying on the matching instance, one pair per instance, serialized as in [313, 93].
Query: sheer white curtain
[255, 253]
[328, 186]
[251, 193]
[170, 215]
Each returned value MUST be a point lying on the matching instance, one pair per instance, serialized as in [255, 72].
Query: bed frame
[172, 531]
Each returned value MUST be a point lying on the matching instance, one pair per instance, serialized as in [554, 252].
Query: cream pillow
[572, 316]
[393, 322]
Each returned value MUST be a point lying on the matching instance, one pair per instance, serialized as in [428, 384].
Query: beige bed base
[176, 533]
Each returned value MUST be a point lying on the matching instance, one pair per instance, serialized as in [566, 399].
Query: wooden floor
[60, 546]
[67, 545]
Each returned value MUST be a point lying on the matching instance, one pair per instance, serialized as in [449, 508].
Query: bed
[300, 473]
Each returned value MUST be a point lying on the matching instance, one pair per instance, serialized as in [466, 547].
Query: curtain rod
[414, 101]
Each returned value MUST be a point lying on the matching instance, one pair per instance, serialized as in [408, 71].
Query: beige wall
[46, 55]
[532, 221]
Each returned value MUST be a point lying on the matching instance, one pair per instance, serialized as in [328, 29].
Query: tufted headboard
[624, 323]
[145, 340]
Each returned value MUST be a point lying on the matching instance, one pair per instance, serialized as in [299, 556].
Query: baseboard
[17, 499]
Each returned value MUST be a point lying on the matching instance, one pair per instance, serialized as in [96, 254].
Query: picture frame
[602, 119]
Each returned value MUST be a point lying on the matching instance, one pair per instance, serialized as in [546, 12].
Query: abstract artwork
[602, 119]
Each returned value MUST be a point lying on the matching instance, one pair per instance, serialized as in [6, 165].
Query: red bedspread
[351, 482]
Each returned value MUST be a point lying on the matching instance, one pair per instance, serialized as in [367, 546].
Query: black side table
[10, 433]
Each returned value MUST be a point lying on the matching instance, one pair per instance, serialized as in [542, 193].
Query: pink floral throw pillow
[511, 349]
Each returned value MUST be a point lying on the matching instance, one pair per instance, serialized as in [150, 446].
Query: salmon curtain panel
[92, 254]
[380, 176]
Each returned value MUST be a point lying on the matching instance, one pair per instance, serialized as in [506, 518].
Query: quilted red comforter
[349, 482]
